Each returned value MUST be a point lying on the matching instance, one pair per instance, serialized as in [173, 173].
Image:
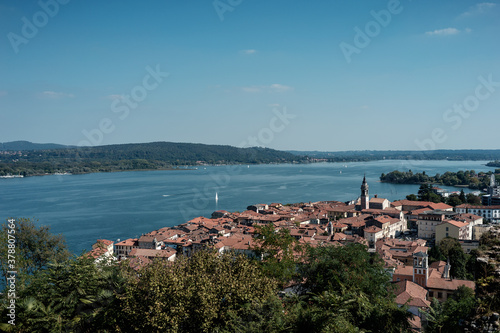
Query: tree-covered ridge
[27, 145]
[144, 156]
[461, 178]
[374, 155]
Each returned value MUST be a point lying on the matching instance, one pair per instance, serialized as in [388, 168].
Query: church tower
[365, 200]
[420, 268]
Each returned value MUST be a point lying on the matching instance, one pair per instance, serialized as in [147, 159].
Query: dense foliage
[451, 315]
[35, 247]
[426, 193]
[461, 178]
[147, 156]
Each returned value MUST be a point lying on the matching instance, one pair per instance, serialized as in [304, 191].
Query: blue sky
[325, 75]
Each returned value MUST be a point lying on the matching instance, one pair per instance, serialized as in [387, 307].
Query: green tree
[277, 249]
[412, 197]
[451, 249]
[462, 196]
[205, 293]
[346, 285]
[35, 248]
[75, 295]
[450, 315]
[454, 200]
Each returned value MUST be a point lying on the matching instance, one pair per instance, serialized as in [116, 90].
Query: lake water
[127, 204]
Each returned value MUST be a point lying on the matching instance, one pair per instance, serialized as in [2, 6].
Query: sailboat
[216, 198]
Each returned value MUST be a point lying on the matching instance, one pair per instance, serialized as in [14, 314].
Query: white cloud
[280, 87]
[114, 96]
[54, 95]
[250, 51]
[443, 32]
[276, 88]
[252, 89]
[478, 9]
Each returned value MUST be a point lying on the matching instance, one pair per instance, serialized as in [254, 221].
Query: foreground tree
[451, 315]
[35, 247]
[73, 296]
[347, 286]
[206, 293]
[278, 251]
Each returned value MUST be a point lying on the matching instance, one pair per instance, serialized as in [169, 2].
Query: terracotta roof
[410, 293]
[128, 242]
[378, 200]
[477, 207]
[167, 253]
[449, 284]
[455, 223]
[105, 242]
[439, 205]
[373, 229]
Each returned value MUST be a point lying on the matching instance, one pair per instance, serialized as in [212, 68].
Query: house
[149, 242]
[123, 248]
[454, 229]
[373, 234]
[166, 254]
[102, 250]
[379, 203]
[428, 220]
[412, 295]
[489, 213]
[258, 207]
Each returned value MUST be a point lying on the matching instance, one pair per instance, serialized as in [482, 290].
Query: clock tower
[365, 200]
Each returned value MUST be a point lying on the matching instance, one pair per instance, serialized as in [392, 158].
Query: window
[440, 294]
[431, 294]
[446, 228]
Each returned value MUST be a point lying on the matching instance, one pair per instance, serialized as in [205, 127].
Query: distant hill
[372, 155]
[26, 145]
[140, 156]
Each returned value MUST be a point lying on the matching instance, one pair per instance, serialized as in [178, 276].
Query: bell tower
[420, 268]
[365, 201]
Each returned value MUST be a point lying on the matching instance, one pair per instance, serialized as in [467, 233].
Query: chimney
[375, 196]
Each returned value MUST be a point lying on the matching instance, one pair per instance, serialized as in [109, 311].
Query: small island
[467, 178]
[495, 164]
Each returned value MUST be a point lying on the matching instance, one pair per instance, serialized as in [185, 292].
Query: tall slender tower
[365, 200]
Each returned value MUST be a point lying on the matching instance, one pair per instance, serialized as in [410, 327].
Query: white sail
[216, 197]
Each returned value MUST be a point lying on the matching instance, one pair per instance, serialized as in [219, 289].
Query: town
[400, 232]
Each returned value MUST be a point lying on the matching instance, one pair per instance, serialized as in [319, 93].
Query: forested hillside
[143, 156]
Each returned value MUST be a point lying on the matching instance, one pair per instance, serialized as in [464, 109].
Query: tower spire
[364, 195]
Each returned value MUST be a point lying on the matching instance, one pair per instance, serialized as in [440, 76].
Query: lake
[127, 204]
